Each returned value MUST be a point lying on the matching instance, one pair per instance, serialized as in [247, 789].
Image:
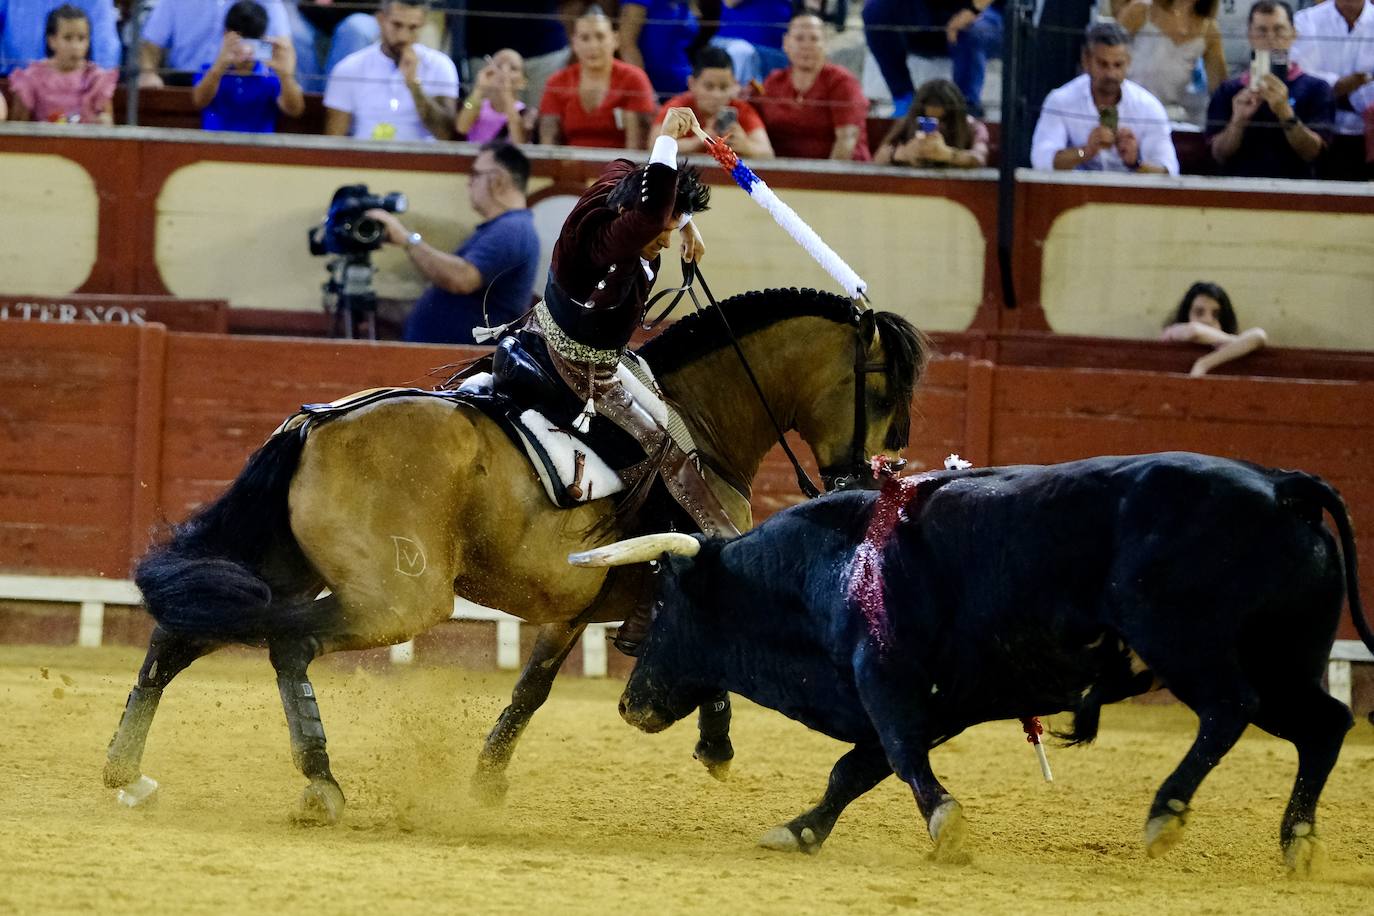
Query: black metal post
[1015, 30]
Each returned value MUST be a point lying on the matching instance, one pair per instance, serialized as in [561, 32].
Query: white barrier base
[94, 593]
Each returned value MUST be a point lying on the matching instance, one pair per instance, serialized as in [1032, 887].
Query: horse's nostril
[622, 706]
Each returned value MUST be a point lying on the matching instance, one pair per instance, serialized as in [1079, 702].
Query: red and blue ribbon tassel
[785, 217]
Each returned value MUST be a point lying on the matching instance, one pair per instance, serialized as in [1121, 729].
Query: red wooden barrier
[108, 430]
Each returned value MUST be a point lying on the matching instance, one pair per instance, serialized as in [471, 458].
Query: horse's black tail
[206, 580]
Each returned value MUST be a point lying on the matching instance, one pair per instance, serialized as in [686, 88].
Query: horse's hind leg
[168, 655]
[322, 802]
[551, 648]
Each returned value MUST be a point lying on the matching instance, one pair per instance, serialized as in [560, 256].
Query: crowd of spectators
[1273, 92]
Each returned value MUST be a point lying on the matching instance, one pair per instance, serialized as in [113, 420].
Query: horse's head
[869, 411]
[842, 376]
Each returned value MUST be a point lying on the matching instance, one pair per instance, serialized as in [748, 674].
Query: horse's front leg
[551, 647]
[714, 749]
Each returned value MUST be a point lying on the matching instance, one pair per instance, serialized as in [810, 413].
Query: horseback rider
[604, 264]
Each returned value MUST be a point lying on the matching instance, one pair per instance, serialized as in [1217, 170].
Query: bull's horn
[638, 550]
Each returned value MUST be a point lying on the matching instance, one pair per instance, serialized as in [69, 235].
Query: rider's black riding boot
[632, 632]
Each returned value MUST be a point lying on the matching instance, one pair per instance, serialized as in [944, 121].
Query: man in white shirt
[394, 89]
[1336, 43]
[1101, 121]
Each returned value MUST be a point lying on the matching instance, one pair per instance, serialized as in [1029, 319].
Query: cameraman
[489, 280]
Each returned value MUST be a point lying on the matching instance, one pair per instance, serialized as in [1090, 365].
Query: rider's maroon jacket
[596, 258]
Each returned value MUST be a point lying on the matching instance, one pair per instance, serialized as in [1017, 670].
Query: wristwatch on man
[414, 239]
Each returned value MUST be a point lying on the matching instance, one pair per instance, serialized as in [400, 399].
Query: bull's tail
[206, 580]
[1300, 488]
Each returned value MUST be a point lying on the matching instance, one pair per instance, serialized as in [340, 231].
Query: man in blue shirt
[184, 37]
[22, 24]
[489, 280]
[239, 91]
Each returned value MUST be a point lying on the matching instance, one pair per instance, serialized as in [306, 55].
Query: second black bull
[1012, 592]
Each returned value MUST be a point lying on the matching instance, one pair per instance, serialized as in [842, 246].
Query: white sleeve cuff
[683, 220]
[665, 152]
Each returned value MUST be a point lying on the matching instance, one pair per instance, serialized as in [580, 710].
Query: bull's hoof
[1305, 853]
[787, 839]
[489, 785]
[119, 773]
[322, 804]
[716, 756]
[949, 830]
[1163, 831]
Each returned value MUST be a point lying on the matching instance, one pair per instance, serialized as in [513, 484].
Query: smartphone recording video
[262, 49]
[726, 119]
[1259, 65]
[1108, 118]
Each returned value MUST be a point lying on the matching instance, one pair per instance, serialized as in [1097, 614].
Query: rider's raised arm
[643, 211]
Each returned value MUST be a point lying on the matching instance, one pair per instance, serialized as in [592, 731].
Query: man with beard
[1101, 121]
[394, 89]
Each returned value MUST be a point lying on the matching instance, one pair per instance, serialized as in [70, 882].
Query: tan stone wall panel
[55, 201]
[240, 229]
[1119, 270]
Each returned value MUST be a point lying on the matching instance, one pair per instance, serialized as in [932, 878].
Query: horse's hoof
[137, 792]
[489, 786]
[784, 839]
[1305, 854]
[949, 829]
[716, 757]
[119, 773]
[322, 804]
[1163, 831]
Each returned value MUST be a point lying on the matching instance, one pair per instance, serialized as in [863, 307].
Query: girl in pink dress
[67, 87]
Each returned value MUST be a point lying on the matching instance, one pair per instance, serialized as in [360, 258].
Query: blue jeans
[352, 34]
[896, 28]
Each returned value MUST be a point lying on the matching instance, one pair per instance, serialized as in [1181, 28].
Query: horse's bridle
[856, 472]
[845, 475]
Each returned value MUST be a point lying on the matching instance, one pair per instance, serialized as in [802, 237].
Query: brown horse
[357, 532]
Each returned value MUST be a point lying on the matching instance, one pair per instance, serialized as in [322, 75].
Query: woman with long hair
[1205, 316]
[937, 131]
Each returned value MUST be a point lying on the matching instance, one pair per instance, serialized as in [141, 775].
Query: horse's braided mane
[692, 337]
[689, 339]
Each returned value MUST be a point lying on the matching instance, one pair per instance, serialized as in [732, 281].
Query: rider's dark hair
[693, 194]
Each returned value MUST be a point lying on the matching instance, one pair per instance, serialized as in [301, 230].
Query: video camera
[352, 237]
[345, 229]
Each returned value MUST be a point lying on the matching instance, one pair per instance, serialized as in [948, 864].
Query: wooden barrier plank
[1150, 394]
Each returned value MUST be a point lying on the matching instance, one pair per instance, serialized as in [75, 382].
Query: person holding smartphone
[252, 79]
[1101, 121]
[712, 94]
[937, 132]
[1273, 120]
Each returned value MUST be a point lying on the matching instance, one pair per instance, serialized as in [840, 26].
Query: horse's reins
[691, 275]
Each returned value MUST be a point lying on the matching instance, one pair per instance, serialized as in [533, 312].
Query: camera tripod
[349, 297]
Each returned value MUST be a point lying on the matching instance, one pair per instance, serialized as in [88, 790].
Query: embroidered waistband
[568, 348]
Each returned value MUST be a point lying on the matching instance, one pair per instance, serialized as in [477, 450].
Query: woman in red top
[814, 109]
[598, 101]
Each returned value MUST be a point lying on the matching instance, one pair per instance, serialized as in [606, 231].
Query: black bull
[1015, 592]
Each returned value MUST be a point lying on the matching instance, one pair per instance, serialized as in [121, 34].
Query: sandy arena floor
[600, 817]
